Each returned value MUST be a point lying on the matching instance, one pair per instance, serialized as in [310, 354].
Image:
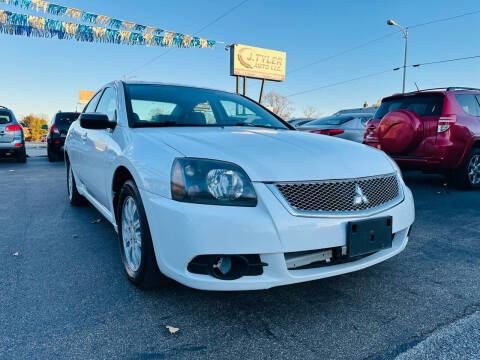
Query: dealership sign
[257, 63]
[85, 96]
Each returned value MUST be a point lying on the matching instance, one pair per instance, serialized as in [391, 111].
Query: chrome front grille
[340, 197]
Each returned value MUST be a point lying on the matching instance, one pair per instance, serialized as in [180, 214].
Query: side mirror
[95, 121]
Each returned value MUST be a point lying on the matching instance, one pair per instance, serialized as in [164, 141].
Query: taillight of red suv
[445, 122]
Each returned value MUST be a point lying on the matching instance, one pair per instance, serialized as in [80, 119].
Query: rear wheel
[22, 156]
[52, 154]
[468, 175]
[136, 245]
[73, 195]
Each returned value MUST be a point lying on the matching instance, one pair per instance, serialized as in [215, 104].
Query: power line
[214, 21]
[380, 38]
[342, 52]
[340, 83]
[444, 61]
[382, 72]
[444, 19]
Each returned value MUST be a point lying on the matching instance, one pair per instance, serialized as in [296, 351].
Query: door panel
[77, 143]
[96, 146]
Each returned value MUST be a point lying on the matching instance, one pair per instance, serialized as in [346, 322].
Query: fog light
[223, 265]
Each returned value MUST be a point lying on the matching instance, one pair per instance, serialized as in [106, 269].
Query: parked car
[213, 190]
[58, 132]
[436, 130]
[362, 110]
[12, 141]
[350, 127]
[44, 138]
[299, 122]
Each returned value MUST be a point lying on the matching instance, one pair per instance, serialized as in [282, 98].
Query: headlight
[211, 182]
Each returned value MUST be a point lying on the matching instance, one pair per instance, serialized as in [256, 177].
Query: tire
[52, 156]
[73, 195]
[136, 247]
[468, 175]
[22, 156]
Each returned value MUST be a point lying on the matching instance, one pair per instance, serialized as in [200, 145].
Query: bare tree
[279, 104]
[310, 112]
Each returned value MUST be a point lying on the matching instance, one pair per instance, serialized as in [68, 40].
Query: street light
[405, 35]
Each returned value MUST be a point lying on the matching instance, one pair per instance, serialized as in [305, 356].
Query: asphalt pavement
[63, 293]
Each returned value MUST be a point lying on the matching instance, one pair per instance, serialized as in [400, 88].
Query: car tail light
[330, 132]
[54, 129]
[15, 127]
[18, 145]
[445, 122]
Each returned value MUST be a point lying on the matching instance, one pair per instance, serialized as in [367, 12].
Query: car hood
[275, 155]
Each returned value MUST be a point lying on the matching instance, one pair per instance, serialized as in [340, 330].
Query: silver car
[12, 141]
[350, 127]
[299, 122]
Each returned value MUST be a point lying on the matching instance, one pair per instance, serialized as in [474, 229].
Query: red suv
[436, 130]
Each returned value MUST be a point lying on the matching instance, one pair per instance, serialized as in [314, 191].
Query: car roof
[173, 85]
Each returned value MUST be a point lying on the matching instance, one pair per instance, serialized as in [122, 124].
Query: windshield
[423, 105]
[331, 120]
[166, 105]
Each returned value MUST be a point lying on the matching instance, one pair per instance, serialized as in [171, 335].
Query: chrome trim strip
[339, 214]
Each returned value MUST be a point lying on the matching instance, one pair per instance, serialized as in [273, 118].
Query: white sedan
[214, 191]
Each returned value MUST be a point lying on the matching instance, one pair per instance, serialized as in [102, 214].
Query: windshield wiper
[256, 125]
[167, 124]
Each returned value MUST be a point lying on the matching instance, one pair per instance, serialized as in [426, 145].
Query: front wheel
[468, 175]
[136, 245]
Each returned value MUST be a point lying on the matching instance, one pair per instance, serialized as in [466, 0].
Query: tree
[310, 112]
[279, 104]
[34, 123]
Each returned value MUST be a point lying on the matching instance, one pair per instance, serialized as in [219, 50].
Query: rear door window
[468, 103]
[423, 105]
[66, 119]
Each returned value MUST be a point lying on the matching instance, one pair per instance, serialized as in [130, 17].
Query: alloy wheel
[131, 234]
[474, 170]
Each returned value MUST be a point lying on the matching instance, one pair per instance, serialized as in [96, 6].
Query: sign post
[256, 63]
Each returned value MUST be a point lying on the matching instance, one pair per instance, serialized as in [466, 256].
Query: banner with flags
[106, 29]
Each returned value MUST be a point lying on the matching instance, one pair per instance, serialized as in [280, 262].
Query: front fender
[148, 161]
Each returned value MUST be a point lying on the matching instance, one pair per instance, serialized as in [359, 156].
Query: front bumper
[182, 231]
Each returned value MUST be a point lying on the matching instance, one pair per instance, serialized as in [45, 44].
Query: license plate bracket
[369, 236]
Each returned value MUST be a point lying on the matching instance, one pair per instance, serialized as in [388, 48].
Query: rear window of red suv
[423, 105]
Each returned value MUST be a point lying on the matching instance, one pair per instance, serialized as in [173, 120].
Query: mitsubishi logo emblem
[359, 198]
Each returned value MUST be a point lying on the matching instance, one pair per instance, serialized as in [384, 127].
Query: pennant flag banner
[115, 30]
[21, 24]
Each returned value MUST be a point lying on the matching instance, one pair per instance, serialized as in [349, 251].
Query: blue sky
[44, 75]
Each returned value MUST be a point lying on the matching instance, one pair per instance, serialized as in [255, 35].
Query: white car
[214, 191]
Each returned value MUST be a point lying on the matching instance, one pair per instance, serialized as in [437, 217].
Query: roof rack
[448, 88]
[3, 107]
[453, 88]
